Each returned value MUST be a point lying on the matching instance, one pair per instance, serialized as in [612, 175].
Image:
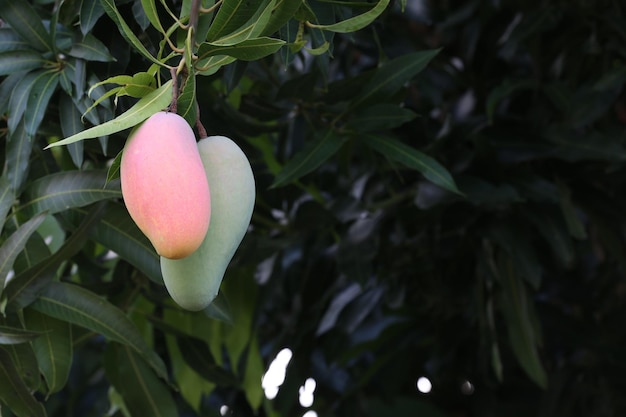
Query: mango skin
[164, 186]
[193, 282]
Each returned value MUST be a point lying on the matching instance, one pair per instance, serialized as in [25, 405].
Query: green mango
[193, 282]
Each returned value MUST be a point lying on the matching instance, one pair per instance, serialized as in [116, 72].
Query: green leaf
[71, 123]
[23, 19]
[187, 104]
[83, 308]
[198, 357]
[11, 41]
[6, 89]
[357, 22]
[13, 392]
[412, 158]
[574, 223]
[91, 49]
[252, 28]
[518, 311]
[19, 98]
[111, 9]
[392, 76]
[119, 233]
[90, 12]
[15, 335]
[63, 190]
[248, 50]
[283, 11]
[15, 244]
[308, 159]
[149, 7]
[517, 244]
[152, 103]
[231, 16]
[144, 394]
[381, 116]
[25, 287]
[18, 151]
[7, 197]
[53, 349]
[40, 94]
[504, 90]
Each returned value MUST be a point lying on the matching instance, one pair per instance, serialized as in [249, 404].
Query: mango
[164, 185]
[193, 282]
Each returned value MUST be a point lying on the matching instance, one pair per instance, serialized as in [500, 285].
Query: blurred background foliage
[438, 196]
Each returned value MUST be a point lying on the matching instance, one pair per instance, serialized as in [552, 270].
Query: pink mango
[164, 185]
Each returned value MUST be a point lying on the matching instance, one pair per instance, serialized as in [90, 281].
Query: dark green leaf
[79, 306]
[14, 393]
[382, 116]
[6, 89]
[505, 90]
[71, 124]
[111, 9]
[53, 349]
[63, 190]
[15, 244]
[20, 96]
[7, 198]
[91, 49]
[143, 392]
[391, 76]
[231, 16]
[518, 311]
[90, 12]
[198, 357]
[283, 11]
[308, 159]
[23, 19]
[11, 41]
[574, 223]
[25, 287]
[117, 231]
[40, 94]
[18, 158]
[412, 158]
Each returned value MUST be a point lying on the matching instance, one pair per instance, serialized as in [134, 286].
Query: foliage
[438, 194]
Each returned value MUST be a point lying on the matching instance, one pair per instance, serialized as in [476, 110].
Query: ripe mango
[164, 186]
[193, 282]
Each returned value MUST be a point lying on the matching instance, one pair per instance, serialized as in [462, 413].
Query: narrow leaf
[63, 190]
[90, 12]
[412, 158]
[518, 311]
[7, 197]
[144, 394]
[382, 116]
[53, 348]
[37, 104]
[14, 393]
[17, 164]
[117, 231]
[111, 10]
[149, 7]
[91, 49]
[198, 357]
[15, 335]
[391, 76]
[248, 50]
[15, 244]
[26, 286]
[71, 124]
[11, 41]
[14, 61]
[311, 157]
[357, 22]
[153, 102]
[21, 16]
[79, 306]
[231, 16]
